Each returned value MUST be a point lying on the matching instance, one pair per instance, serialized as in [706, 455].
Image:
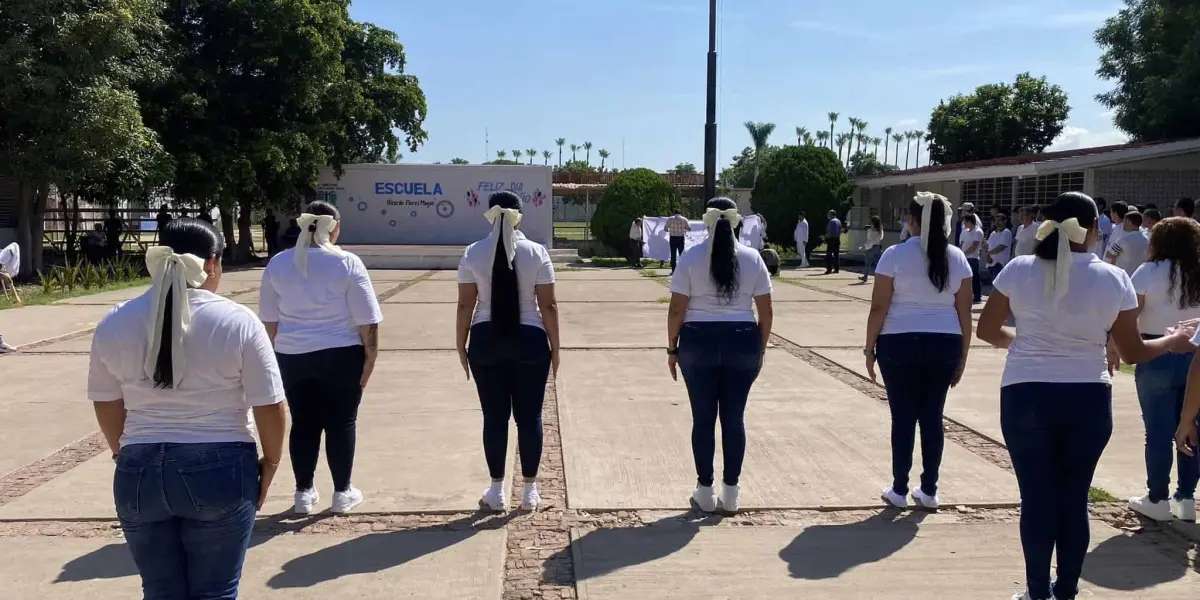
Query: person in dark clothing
[162, 218]
[113, 227]
[833, 244]
[270, 227]
[290, 235]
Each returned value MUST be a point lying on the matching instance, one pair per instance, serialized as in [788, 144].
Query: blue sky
[628, 75]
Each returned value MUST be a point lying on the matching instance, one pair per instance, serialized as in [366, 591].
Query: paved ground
[616, 475]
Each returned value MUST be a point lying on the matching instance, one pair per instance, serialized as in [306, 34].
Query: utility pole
[710, 124]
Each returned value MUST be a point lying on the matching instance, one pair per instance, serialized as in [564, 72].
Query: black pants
[510, 374]
[976, 280]
[833, 255]
[635, 253]
[917, 369]
[323, 393]
[676, 249]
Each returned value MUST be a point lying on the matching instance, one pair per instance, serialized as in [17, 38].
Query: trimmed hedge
[799, 178]
[632, 194]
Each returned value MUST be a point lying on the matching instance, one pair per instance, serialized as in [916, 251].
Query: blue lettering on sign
[407, 189]
[517, 187]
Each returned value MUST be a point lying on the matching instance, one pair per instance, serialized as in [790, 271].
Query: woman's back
[230, 368]
[1062, 342]
[1161, 309]
[917, 305]
[533, 266]
[693, 279]
[321, 310]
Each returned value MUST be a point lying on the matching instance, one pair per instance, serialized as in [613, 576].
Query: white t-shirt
[801, 233]
[1026, 239]
[917, 306]
[635, 231]
[692, 279]
[1131, 250]
[1161, 307]
[533, 268]
[968, 237]
[997, 239]
[323, 310]
[230, 369]
[1062, 343]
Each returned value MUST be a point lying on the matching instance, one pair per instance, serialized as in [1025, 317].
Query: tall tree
[501, 155]
[853, 127]
[908, 138]
[587, 146]
[842, 138]
[998, 120]
[919, 136]
[532, 154]
[459, 161]
[560, 142]
[517, 154]
[833, 118]
[574, 149]
[822, 136]
[740, 174]
[862, 130]
[1152, 54]
[759, 134]
[683, 169]
[603, 157]
[801, 134]
[546, 154]
[887, 134]
[897, 137]
[875, 141]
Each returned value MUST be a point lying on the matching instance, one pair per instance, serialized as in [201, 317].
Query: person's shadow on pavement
[607, 550]
[828, 551]
[1127, 563]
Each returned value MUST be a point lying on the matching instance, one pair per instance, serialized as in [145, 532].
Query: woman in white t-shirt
[1056, 391]
[971, 242]
[999, 245]
[713, 338]
[175, 375]
[1168, 292]
[319, 306]
[873, 247]
[508, 312]
[919, 330]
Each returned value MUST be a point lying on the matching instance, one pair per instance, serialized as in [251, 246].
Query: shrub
[632, 194]
[799, 178]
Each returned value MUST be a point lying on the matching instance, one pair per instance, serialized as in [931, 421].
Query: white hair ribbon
[320, 237]
[1068, 231]
[927, 200]
[504, 223]
[712, 216]
[171, 273]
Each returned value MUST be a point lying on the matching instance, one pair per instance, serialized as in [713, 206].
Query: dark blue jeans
[510, 374]
[917, 369]
[976, 282]
[720, 362]
[324, 391]
[187, 511]
[1055, 433]
[1160, 386]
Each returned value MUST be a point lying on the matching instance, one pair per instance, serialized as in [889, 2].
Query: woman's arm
[972, 248]
[766, 316]
[675, 313]
[991, 323]
[881, 301]
[1130, 345]
[271, 422]
[272, 330]
[962, 305]
[468, 293]
[1186, 437]
[548, 304]
[111, 418]
[369, 334]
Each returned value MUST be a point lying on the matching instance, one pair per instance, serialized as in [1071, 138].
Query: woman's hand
[368, 368]
[466, 364]
[1186, 437]
[266, 474]
[672, 363]
[958, 372]
[1114, 360]
[554, 360]
[870, 357]
[1181, 341]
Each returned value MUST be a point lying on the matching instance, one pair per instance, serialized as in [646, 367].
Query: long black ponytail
[936, 242]
[724, 266]
[183, 236]
[506, 302]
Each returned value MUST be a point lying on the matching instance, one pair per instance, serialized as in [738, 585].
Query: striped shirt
[678, 226]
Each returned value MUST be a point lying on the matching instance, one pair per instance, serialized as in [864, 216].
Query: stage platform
[428, 257]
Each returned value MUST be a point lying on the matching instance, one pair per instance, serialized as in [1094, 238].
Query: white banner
[656, 244]
[434, 204]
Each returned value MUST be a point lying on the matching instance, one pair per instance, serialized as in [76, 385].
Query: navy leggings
[510, 374]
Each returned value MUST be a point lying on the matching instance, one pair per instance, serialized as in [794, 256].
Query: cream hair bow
[504, 223]
[1057, 281]
[927, 200]
[171, 273]
[320, 237]
[712, 215]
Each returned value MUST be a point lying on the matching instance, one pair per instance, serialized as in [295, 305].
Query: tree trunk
[245, 236]
[230, 241]
[71, 220]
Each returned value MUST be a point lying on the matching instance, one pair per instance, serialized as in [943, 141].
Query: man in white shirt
[1118, 212]
[635, 243]
[1105, 225]
[1025, 241]
[999, 245]
[801, 237]
[1130, 251]
[971, 241]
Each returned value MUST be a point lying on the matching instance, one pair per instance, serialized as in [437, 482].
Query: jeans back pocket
[127, 489]
[217, 488]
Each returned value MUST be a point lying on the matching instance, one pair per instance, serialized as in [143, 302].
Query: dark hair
[801, 214]
[876, 224]
[1152, 214]
[1070, 205]
[724, 266]
[183, 236]
[321, 208]
[1118, 207]
[936, 242]
[506, 303]
[1177, 239]
[1187, 206]
[1134, 217]
[969, 218]
[1150, 205]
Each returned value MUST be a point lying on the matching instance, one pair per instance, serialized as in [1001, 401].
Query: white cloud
[1073, 138]
[905, 123]
[838, 30]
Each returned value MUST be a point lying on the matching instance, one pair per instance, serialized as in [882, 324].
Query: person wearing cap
[964, 209]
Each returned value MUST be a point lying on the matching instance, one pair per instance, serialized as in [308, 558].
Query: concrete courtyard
[616, 477]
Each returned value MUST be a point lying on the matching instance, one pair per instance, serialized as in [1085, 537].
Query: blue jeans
[719, 361]
[1160, 386]
[187, 511]
[917, 369]
[976, 282]
[872, 260]
[1055, 433]
[510, 375]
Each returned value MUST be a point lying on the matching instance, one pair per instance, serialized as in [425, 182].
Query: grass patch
[1097, 495]
[664, 300]
[33, 295]
[1131, 369]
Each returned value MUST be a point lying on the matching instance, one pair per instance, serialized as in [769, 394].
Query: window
[986, 193]
[1044, 189]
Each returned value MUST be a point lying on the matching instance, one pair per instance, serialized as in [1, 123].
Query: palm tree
[759, 132]
[808, 139]
[908, 137]
[841, 142]
[587, 146]
[862, 139]
[887, 134]
[574, 148]
[833, 117]
[500, 154]
[546, 154]
[603, 155]
[517, 156]
[862, 130]
[876, 142]
[459, 161]
[897, 137]
[822, 136]
[853, 128]
[560, 142]
[801, 134]
[920, 136]
[532, 154]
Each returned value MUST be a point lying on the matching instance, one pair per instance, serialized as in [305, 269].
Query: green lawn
[32, 295]
[572, 231]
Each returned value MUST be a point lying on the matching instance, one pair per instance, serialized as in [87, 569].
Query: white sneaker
[728, 502]
[494, 498]
[306, 501]
[704, 499]
[5, 348]
[344, 502]
[530, 499]
[1159, 511]
[925, 500]
[1025, 596]
[1184, 509]
[893, 499]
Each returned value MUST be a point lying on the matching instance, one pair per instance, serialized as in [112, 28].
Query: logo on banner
[538, 198]
[445, 209]
[472, 199]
